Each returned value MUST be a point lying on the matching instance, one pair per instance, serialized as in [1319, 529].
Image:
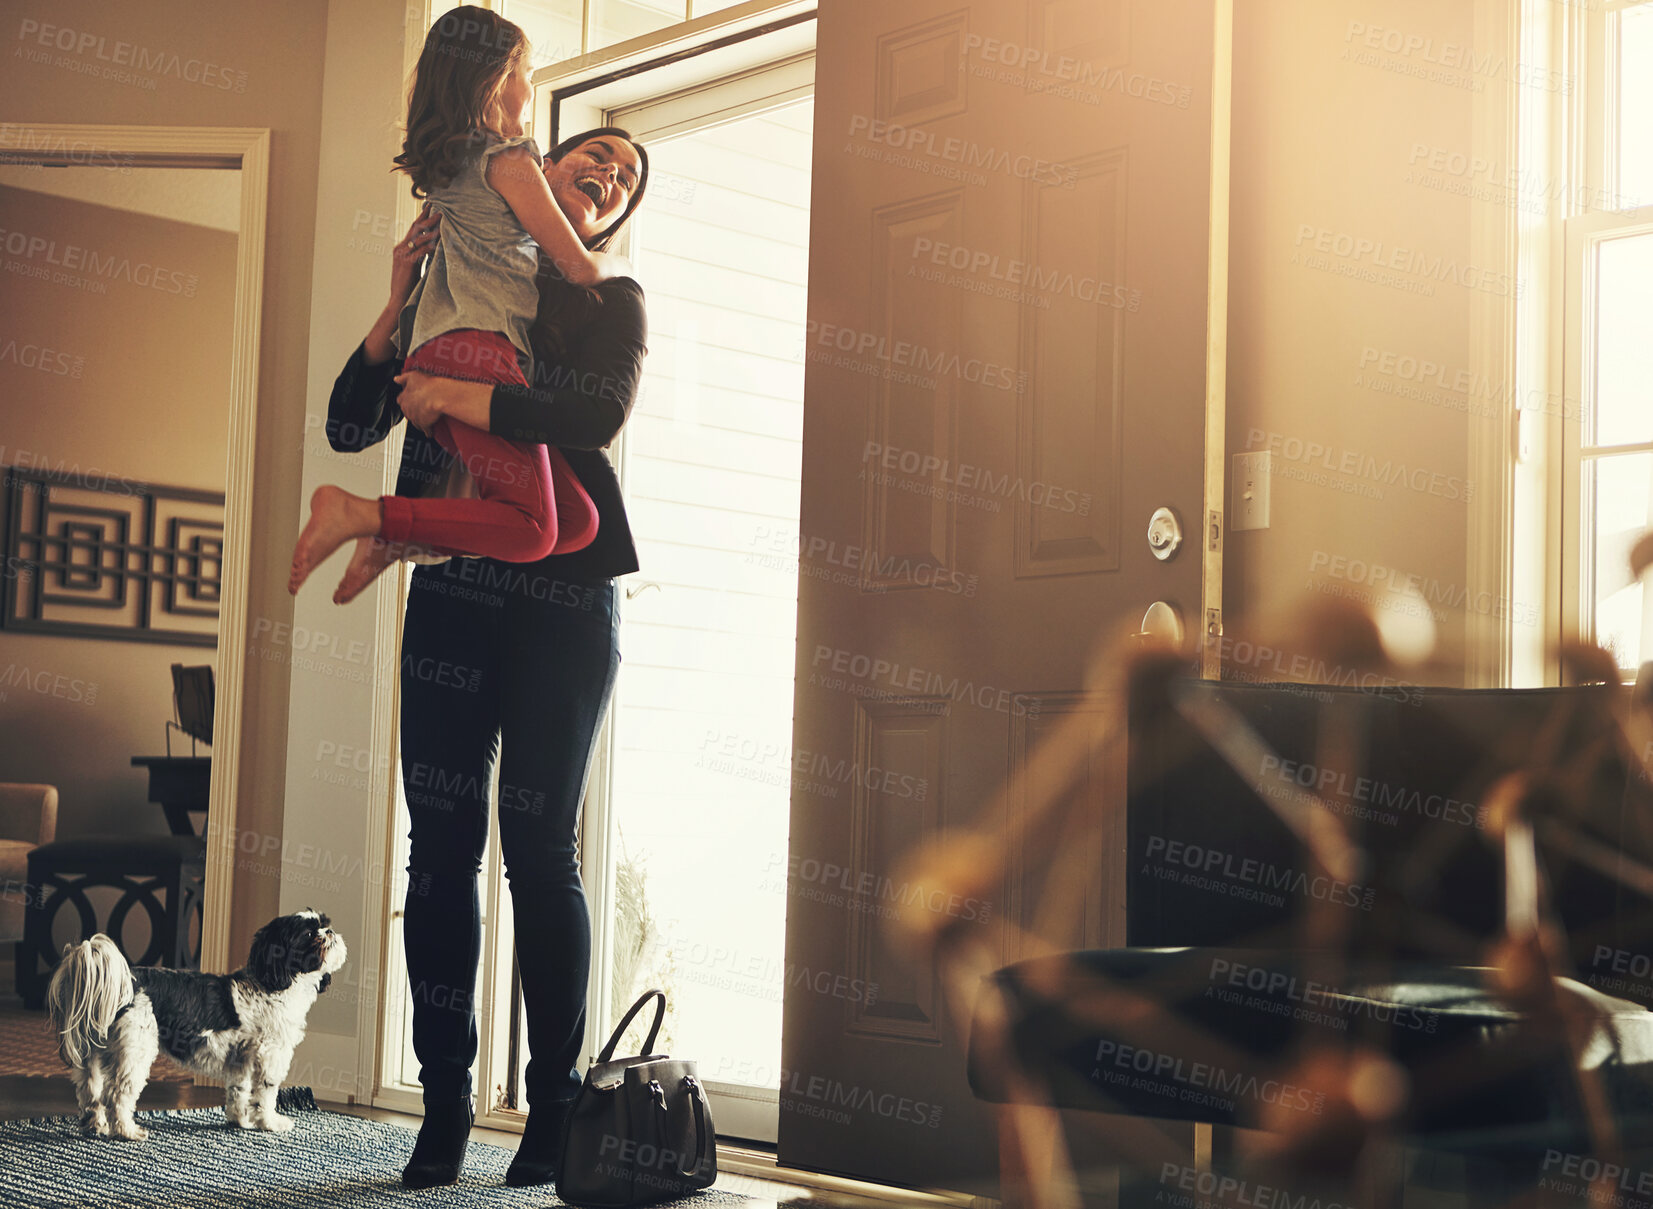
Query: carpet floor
[191, 1161]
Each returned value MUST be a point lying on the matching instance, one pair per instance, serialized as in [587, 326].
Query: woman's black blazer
[588, 359]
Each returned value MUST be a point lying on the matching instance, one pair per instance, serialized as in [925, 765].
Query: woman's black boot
[540, 1153]
[440, 1150]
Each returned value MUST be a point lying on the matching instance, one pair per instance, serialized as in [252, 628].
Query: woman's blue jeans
[500, 662]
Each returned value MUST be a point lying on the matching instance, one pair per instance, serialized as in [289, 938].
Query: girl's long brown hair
[467, 55]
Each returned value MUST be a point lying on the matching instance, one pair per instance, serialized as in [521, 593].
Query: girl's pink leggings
[531, 504]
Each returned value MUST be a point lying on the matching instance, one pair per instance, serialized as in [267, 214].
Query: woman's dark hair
[467, 55]
[603, 237]
[566, 308]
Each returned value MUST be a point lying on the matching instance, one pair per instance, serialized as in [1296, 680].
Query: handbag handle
[625, 1022]
[697, 1098]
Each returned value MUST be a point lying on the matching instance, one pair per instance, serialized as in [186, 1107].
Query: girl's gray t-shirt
[483, 270]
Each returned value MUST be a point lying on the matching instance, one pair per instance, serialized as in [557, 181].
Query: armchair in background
[28, 819]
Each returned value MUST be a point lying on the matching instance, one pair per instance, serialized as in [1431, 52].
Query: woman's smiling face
[594, 181]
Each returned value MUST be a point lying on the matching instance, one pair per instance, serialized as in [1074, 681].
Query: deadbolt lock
[1164, 533]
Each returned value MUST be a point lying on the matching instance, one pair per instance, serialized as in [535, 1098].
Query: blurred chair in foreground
[1376, 932]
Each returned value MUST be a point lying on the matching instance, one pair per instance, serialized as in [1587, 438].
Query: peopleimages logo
[1228, 977]
[1380, 256]
[975, 480]
[834, 1093]
[1352, 466]
[1036, 69]
[962, 153]
[1423, 57]
[120, 54]
[24, 144]
[1215, 866]
[71, 473]
[1609, 963]
[861, 890]
[759, 975]
[1428, 590]
[40, 357]
[1228, 1190]
[902, 360]
[877, 678]
[1198, 1082]
[1377, 793]
[1038, 279]
[1258, 663]
[868, 569]
[48, 684]
[1407, 376]
[731, 750]
[1461, 174]
[1592, 1170]
[71, 259]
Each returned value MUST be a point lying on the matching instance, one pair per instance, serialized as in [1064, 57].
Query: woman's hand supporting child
[405, 262]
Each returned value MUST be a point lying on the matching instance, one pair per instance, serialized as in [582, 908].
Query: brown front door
[1010, 311]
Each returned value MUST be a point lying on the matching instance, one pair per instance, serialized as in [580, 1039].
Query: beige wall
[1343, 247]
[271, 58]
[110, 380]
[333, 856]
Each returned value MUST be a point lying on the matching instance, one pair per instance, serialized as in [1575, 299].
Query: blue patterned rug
[191, 1161]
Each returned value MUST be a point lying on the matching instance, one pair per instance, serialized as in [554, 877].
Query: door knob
[1161, 627]
[1164, 533]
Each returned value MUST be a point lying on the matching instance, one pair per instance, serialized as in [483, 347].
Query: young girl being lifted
[469, 316]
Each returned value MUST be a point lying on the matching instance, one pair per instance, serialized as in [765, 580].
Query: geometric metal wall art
[104, 557]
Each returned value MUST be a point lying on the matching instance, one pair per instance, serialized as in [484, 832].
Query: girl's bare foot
[336, 516]
[372, 556]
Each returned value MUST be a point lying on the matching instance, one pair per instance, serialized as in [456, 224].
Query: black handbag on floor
[640, 1129]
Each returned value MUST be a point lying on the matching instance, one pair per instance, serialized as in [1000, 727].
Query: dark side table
[179, 784]
[161, 875]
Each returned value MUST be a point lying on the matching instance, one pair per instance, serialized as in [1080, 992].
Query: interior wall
[333, 857]
[1352, 296]
[201, 63]
[115, 377]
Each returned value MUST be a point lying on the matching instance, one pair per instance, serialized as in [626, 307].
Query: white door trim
[1212, 535]
[248, 150]
[772, 73]
[1489, 572]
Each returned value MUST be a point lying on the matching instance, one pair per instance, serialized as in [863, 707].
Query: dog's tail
[92, 984]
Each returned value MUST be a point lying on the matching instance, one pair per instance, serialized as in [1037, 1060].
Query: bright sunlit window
[564, 29]
[1609, 465]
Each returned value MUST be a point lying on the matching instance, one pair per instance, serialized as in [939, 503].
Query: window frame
[1592, 174]
[694, 31]
[741, 60]
[702, 52]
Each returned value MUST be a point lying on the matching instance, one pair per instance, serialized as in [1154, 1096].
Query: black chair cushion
[1219, 1034]
[129, 854]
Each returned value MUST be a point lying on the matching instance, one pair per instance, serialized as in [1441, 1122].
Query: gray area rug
[192, 1161]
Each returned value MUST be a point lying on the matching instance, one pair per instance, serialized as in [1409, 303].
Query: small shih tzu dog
[112, 1020]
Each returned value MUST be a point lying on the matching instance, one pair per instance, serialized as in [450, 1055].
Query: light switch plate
[1251, 491]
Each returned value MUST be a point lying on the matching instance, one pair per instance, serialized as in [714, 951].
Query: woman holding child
[516, 355]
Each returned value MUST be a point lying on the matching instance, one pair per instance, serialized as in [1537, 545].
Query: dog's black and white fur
[112, 1020]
